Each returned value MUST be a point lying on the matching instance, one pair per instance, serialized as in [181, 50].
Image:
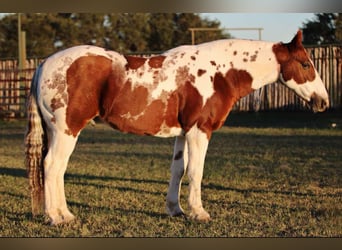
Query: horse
[186, 92]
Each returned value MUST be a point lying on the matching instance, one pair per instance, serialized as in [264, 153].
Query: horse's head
[298, 73]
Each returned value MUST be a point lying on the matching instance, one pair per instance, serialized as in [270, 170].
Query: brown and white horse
[187, 92]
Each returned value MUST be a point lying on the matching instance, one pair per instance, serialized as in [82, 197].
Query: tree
[8, 38]
[338, 32]
[132, 31]
[323, 29]
[47, 33]
[184, 21]
[162, 27]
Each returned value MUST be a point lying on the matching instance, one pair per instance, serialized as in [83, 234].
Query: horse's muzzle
[318, 103]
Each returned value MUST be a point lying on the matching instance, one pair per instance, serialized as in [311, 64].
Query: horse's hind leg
[55, 164]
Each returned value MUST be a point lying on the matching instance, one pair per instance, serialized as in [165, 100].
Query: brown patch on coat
[253, 58]
[69, 132]
[191, 78]
[86, 77]
[183, 76]
[156, 61]
[179, 155]
[239, 82]
[213, 63]
[132, 110]
[200, 72]
[57, 83]
[294, 61]
[134, 62]
[172, 109]
[131, 100]
[147, 123]
[228, 89]
[56, 103]
[190, 105]
[193, 58]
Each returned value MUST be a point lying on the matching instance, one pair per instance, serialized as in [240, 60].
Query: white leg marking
[55, 165]
[198, 145]
[178, 168]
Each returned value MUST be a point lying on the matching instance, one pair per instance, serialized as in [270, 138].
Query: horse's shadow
[87, 180]
[78, 180]
[14, 172]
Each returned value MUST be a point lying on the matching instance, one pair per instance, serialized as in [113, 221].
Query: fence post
[20, 86]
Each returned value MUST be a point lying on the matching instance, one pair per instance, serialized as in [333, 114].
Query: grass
[266, 175]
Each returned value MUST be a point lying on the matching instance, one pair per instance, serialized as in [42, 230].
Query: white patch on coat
[307, 89]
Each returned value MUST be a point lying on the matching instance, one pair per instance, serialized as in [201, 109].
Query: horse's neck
[257, 58]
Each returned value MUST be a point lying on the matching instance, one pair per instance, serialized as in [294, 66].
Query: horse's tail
[35, 147]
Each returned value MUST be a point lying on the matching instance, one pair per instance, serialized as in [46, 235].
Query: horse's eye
[306, 65]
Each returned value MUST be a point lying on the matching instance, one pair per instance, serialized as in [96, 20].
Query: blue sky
[277, 26]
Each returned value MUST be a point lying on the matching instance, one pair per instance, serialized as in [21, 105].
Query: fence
[14, 87]
[15, 84]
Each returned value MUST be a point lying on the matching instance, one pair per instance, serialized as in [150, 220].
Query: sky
[276, 26]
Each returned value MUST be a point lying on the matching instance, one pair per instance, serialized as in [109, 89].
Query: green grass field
[266, 175]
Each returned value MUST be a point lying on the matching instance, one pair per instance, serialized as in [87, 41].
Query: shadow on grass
[121, 189]
[16, 216]
[15, 172]
[86, 181]
[75, 179]
[70, 177]
[99, 152]
[106, 209]
[263, 191]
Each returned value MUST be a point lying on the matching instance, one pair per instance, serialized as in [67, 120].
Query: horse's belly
[169, 132]
[144, 125]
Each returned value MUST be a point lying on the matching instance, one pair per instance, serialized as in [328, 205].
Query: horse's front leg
[198, 144]
[178, 168]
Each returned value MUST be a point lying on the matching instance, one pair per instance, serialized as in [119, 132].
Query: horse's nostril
[326, 103]
[323, 105]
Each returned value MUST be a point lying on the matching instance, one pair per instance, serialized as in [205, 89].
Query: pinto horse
[186, 92]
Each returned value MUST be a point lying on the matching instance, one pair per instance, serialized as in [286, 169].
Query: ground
[266, 174]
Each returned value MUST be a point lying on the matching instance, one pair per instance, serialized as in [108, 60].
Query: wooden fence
[15, 85]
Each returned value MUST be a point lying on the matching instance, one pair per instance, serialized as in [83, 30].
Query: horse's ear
[297, 40]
